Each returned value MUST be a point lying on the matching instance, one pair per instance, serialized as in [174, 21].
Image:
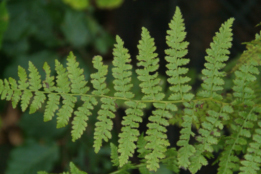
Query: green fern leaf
[229, 162]
[171, 161]
[16, 93]
[252, 53]
[105, 114]
[156, 134]
[141, 143]
[65, 112]
[51, 107]
[179, 87]
[217, 55]
[121, 71]
[35, 85]
[23, 85]
[209, 133]
[114, 155]
[48, 83]
[177, 50]
[53, 99]
[129, 133]
[63, 86]
[6, 90]
[122, 85]
[251, 163]
[25, 99]
[148, 59]
[63, 83]
[104, 124]
[98, 78]
[76, 76]
[75, 170]
[81, 117]
[242, 125]
[186, 150]
[22, 78]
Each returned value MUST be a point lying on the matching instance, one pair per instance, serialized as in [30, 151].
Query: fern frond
[217, 55]
[53, 99]
[48, 83]
[81, 115]
[63, 86]
[35, 85]
[245, 75]
[75, 74]
[52, 106]
[251, 163]
[253, 52]
[186, 150]
[148, 59]
[178, 80]
[75, 170]
[171, 161]
[104, 124]
[229, 162]
[122, 84]
[209, 133]
[23, 85]
[156, 134]
[98, 78]
[16, 93]
[141, 143]
[114, 155]
[103, 127]
[121, 70]
[178, 49]
[79, 122]
[6, 90]
[130, 133]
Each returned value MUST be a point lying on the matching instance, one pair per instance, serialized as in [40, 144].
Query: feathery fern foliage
[216, 117]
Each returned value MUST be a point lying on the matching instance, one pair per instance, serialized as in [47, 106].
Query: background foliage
[41, 31]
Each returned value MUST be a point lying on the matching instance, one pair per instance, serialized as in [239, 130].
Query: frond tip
[217, 54]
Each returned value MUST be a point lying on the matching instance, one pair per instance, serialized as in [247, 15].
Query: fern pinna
[226, 124]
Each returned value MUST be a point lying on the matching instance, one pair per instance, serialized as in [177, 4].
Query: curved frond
[216, 56]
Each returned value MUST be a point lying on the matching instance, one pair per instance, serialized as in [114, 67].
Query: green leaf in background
[32, 157]
[75, 170]
[109, 4]
[74, 29]
[78, 4]
[3, 20]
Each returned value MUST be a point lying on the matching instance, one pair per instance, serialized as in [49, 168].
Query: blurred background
[45, 30]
